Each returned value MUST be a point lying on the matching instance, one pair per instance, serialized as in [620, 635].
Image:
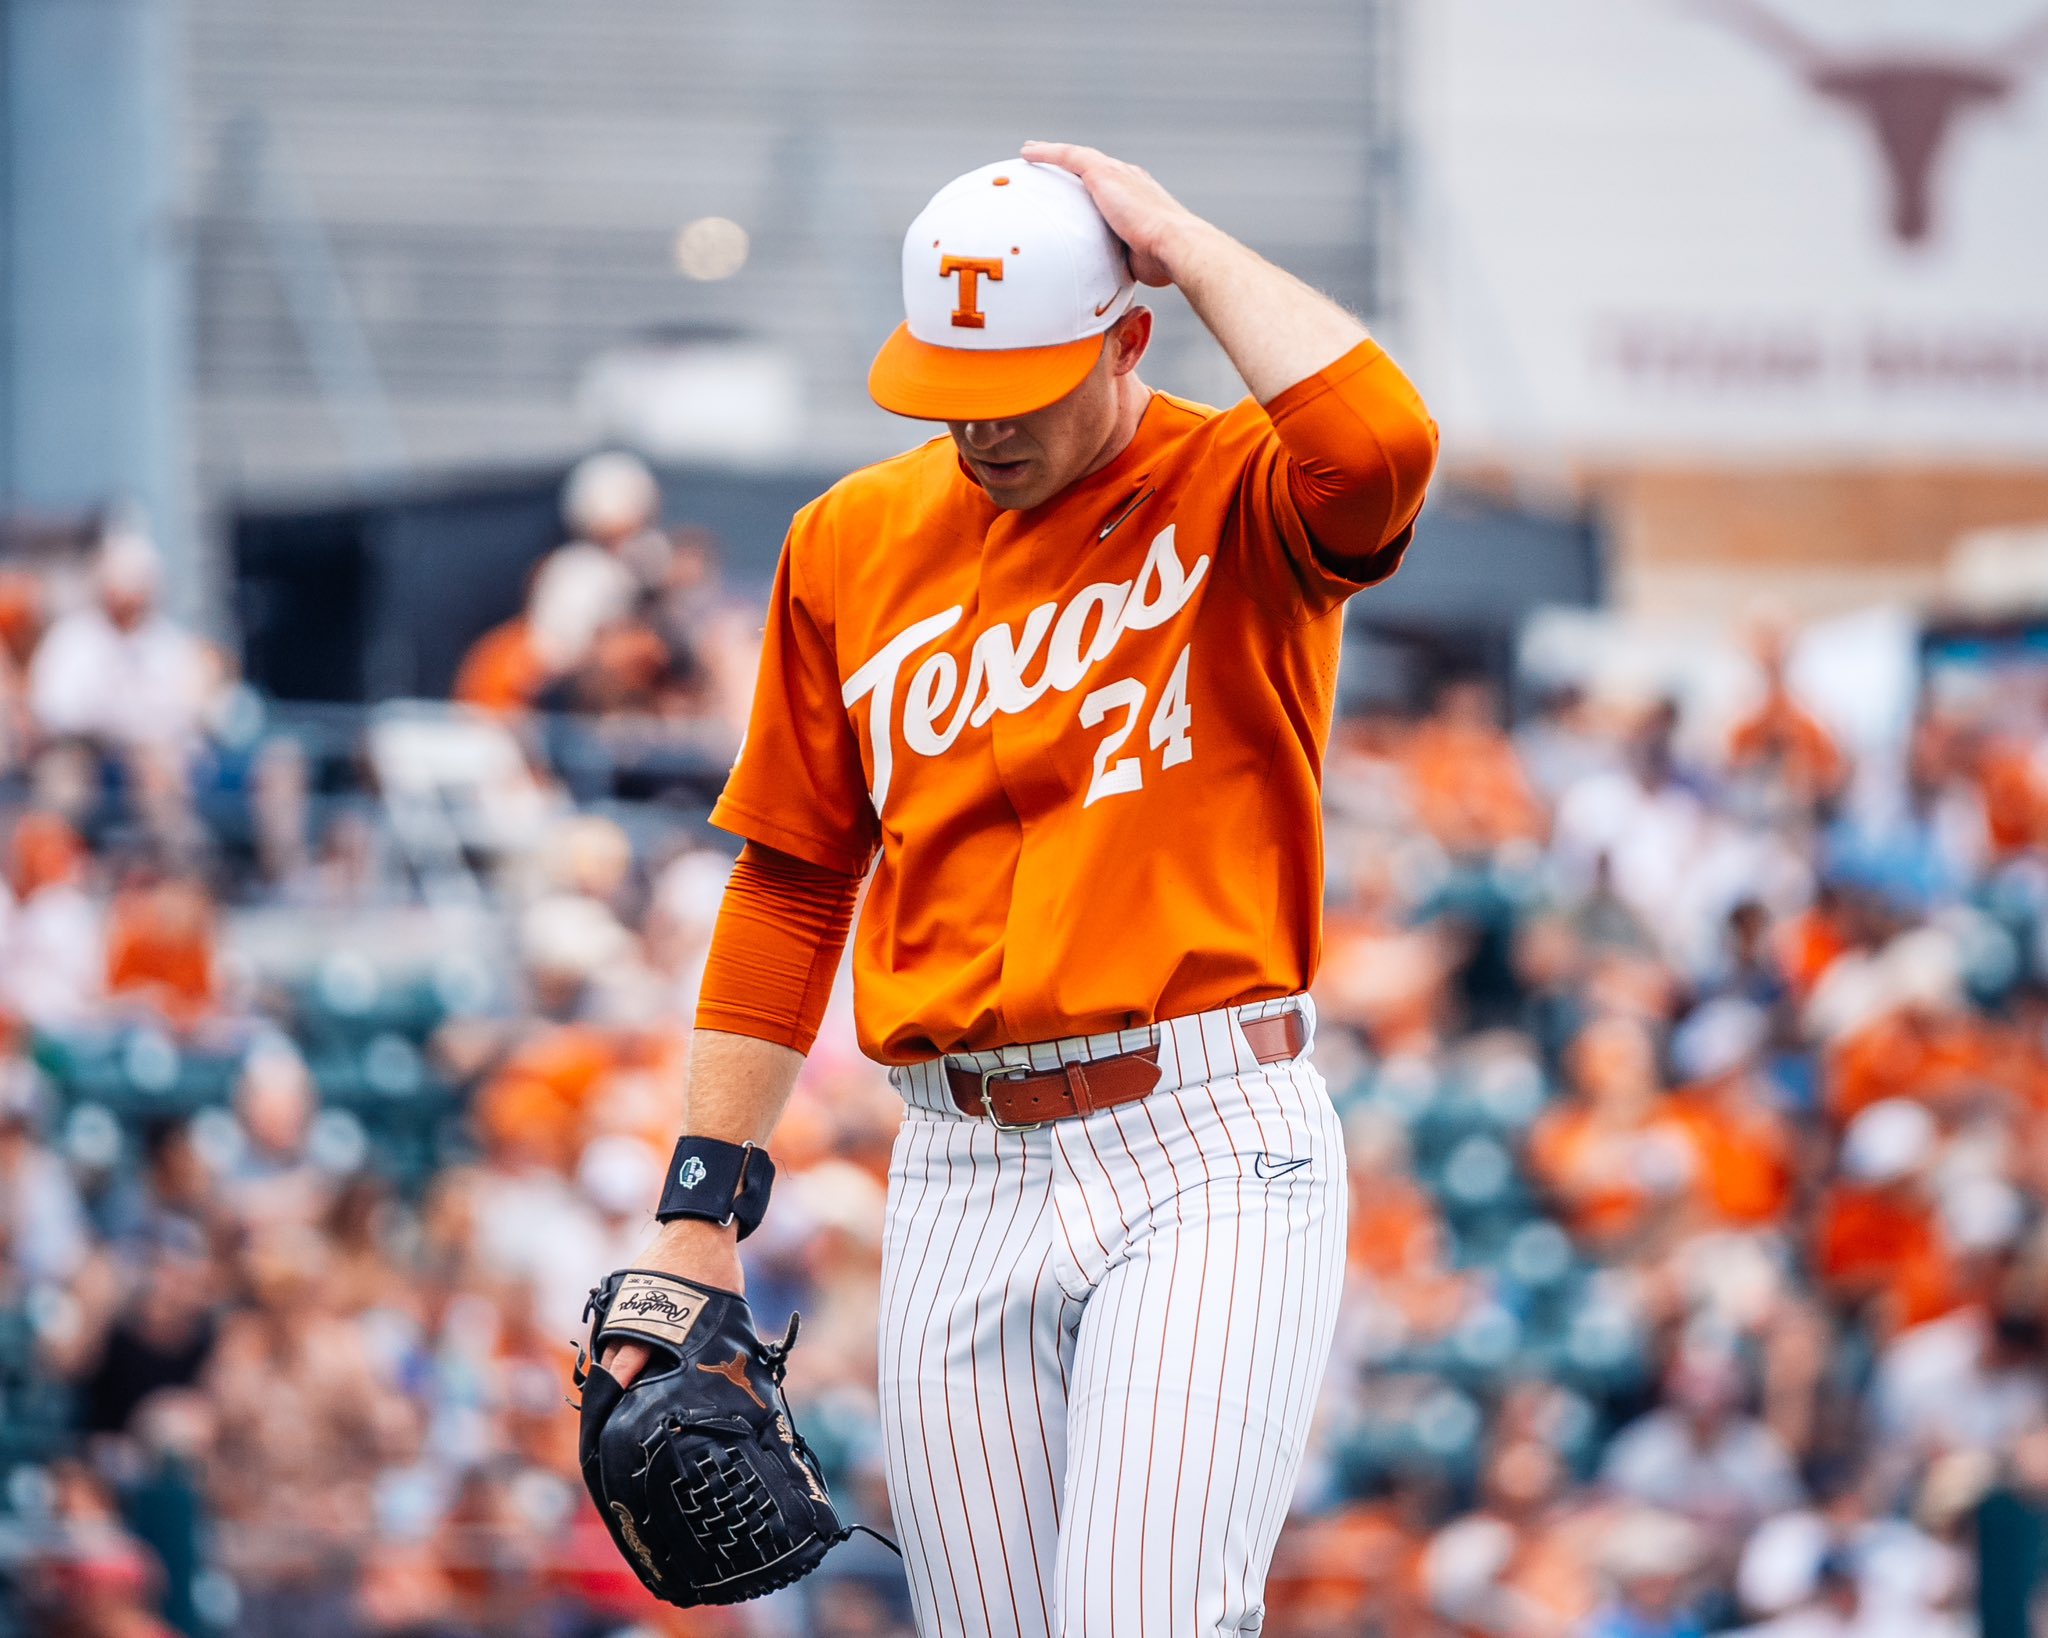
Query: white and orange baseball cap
[1010, 278]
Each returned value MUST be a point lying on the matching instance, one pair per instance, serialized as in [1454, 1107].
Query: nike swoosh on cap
[1116, 296]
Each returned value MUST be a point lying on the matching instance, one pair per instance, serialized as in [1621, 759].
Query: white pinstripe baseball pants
[1102, 1340]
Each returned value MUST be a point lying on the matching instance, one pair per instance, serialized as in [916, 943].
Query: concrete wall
[93, 271]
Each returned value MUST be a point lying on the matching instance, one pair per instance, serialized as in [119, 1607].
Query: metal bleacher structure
[416, 221]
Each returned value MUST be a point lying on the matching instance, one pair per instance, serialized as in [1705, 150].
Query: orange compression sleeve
[1360, 448]
[775, 948]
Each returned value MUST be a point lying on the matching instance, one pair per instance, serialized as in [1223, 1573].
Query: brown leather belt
[1023, 1097]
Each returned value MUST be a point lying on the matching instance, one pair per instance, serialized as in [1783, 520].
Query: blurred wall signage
[1782, 227]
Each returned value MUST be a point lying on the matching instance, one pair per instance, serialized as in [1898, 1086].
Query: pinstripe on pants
[1102, 1340]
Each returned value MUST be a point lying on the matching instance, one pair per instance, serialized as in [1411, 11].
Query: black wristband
[719, 1182]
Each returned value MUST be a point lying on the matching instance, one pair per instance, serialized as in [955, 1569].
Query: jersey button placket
[1002, 594]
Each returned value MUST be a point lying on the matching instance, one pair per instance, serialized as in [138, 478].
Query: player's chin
[1011, 483]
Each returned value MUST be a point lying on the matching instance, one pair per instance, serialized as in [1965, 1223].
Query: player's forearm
[1275, 329]
[767, 977]
[736, 1089]
[737, 1086]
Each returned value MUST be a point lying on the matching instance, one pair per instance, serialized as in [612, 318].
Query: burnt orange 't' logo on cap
[971, 270]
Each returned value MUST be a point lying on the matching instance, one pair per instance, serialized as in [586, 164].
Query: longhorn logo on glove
[734, 1371]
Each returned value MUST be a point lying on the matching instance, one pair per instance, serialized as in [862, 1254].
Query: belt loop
[1077, 1086]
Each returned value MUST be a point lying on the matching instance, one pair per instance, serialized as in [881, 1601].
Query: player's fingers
[1132, 184]
[625, 1361]
[1069, 156]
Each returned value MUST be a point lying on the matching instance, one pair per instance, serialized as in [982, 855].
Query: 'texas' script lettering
[999, 658]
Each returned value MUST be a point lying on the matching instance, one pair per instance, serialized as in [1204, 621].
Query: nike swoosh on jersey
[1269, 1167]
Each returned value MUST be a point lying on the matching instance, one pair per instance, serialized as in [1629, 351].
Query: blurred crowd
[1697, 1093]
[1694, 1076]
[624, 619]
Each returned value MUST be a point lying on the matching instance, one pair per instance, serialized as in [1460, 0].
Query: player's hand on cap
[1149, 220]
[691, 1249]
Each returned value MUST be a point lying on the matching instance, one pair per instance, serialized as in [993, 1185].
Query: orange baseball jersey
[1086, 739]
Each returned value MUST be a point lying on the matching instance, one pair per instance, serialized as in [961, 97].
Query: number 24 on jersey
[1166, 733]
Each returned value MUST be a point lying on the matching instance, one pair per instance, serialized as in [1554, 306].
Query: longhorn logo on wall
[1911, 101]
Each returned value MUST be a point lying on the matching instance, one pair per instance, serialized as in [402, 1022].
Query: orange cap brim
[928, 383]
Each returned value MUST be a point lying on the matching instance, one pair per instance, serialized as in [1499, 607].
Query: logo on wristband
[690, 1173]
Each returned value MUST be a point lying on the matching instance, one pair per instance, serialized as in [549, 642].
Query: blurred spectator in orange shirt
[1548, 1578]
[21, 628]
[1876, 1241]
[1393, 1218]
[160, 949]
[626, 671]
[1353, 1570]
[1466, 780]
[1812, 941]
[538, 1097]
[1923, 1042]
[614, 556]
[582, 640]
[1387, 978]
[1780, 742]
[1611, 1154]
[1745, 1146]
[502, 672]
[1908, 1054]
[2010, 784]
[1398, 1240]
[21, 616]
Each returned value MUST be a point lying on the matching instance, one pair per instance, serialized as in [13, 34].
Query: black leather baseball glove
[697, 1470]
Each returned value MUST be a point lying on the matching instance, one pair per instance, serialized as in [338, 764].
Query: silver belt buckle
[1005, 1072]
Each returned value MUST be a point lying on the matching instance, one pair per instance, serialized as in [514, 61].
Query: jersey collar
[1128, 465]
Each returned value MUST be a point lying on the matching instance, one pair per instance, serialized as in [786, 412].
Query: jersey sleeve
[775, 949]
[798, 785]
[1329, 496]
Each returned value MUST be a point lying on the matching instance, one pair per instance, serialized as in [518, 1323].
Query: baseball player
[1057, 686]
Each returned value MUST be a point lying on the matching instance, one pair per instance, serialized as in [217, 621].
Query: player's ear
[1128, 339]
